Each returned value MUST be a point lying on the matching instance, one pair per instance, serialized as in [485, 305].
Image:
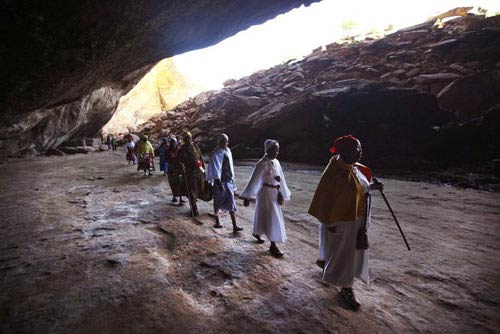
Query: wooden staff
[392, 212]
[187, 189]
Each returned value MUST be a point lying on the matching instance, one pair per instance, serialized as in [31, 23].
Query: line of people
[341, 201]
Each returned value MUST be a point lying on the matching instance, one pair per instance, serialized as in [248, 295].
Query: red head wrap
[342, 143]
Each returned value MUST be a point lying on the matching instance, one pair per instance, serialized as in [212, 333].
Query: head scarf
[344, 143]
[269, 143]
[186, 134]
[222, 137]
[173, 140]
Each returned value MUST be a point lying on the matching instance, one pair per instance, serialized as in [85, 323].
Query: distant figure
[342, 204]
[161, 153]
[267, 184]
[220, 171]
[130, 149]
[174, 171]
[109, 141]
[194, 169]
[146, 155]
[114, 143]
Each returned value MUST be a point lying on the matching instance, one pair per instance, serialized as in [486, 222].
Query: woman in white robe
[220, 172]
[343, 261]
[342, 204]
[268, 186]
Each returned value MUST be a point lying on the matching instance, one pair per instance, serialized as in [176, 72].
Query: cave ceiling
[55, 52]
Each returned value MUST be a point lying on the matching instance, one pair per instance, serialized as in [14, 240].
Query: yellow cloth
[145, 147]
[339, 196]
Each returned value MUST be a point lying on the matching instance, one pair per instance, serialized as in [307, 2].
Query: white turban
[222, 137]
[269, 143]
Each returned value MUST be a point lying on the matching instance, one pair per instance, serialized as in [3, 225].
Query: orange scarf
[339, 196]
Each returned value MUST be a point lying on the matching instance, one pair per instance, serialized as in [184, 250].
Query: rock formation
[409, 96]
[65, 64]
[161, 89]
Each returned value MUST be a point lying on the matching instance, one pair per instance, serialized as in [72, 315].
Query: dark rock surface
[65, 64]
[411, 96]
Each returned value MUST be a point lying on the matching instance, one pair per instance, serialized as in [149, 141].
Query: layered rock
[161, 89]
[398, 94]
[49, 127]
[56, 54]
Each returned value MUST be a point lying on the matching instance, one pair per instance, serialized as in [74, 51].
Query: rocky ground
[89, 245]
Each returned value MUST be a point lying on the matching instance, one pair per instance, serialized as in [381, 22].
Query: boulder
[249, 91]
[413, 35]
[75, 150]
[490, 22]
[470, 96]
[317, 64]
[427, 79]
[413, 72]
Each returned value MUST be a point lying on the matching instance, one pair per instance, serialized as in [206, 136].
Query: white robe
[130, 144]
[343, 262]
[214, 169]
[268, 219]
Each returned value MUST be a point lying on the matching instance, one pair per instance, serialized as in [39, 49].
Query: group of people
[111, 142]
[341, 201]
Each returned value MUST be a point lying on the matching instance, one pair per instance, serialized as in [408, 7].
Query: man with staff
[342, 204]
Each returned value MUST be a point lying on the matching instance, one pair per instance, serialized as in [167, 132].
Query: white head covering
[269, 143]
[214, 168]
[222, 137]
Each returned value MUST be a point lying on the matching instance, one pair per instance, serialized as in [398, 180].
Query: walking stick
[392, 212]
[187, 189]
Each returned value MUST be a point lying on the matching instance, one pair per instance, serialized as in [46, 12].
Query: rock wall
[47, 128]
[55, 53]
[161, 89]
[418, 94]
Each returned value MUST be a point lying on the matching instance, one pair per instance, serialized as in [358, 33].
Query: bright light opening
[289, 36]
[296, 33]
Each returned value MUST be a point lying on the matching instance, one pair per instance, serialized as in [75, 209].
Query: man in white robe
[268, 186]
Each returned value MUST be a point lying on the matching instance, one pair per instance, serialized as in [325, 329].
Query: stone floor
[89, 245]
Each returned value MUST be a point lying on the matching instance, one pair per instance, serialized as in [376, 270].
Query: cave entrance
[281, 40]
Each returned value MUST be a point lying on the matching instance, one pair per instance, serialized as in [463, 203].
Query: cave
[86, 55]
[90, 244]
